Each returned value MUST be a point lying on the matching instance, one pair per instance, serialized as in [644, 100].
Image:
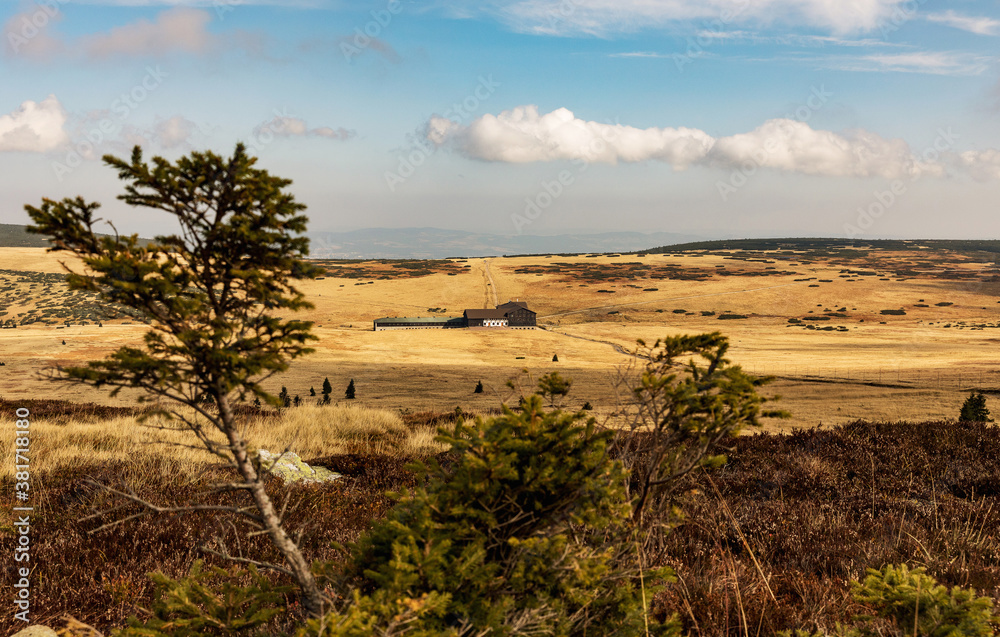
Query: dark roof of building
[485, 314]
[417, 319]
[510, 305]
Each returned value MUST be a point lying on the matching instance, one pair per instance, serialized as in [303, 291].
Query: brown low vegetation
[768, 542]
[771, 541]
[101, 579]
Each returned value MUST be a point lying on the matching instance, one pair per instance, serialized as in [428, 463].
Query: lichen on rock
[36, 631]
[290, 468]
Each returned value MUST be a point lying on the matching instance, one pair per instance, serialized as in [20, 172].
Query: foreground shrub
[804, 502]
[918, 605]
[686, 402]
[528, 535]
[208, 602]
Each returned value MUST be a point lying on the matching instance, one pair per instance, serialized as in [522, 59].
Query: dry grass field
[850, 335]
[310, 431]
[815, 319]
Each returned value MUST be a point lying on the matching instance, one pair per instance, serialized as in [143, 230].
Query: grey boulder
[36, 631]
[290, 468]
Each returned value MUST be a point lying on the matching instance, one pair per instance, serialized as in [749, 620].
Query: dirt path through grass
[491, 284]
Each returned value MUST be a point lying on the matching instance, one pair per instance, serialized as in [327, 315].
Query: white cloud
[284, 126]
[792, 39]
[329, 133]
[27, 34]
[524, 135]
[922, 62]
[179, 29]
[95, 133]
[983, 165]
[174, 132]
[606, 17]
[307, 4]
[927, 62]
[978, 25]
[34, 127]
[641, 54]
[794, 146]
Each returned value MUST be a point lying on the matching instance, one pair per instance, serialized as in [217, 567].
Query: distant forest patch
[962, 260]
[633, 270]
[808, 247]
[390, 268]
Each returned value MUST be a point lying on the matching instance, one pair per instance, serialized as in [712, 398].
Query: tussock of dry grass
[313, 431]
[310, 431]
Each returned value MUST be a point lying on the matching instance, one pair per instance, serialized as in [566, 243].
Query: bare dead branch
[245, 560]
[155, 509]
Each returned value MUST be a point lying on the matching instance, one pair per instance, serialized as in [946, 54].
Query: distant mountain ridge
[430, 243]
[435, 243]
[16, 236]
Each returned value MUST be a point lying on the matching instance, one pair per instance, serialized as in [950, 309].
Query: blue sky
[873, 118]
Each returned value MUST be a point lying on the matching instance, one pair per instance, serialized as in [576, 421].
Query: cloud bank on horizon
[522, 135]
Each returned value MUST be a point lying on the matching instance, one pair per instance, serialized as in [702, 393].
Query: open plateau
[897, 330]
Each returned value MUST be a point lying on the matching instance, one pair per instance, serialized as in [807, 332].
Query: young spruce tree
[974, 408]
[215, 295]
[686, 402]
[528, 535]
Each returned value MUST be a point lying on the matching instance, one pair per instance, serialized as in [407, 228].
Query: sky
[711, 118]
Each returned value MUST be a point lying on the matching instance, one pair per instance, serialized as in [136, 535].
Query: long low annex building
[512, 314]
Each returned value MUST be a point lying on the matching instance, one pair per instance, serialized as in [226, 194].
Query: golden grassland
[310, 431]
[917, 366]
